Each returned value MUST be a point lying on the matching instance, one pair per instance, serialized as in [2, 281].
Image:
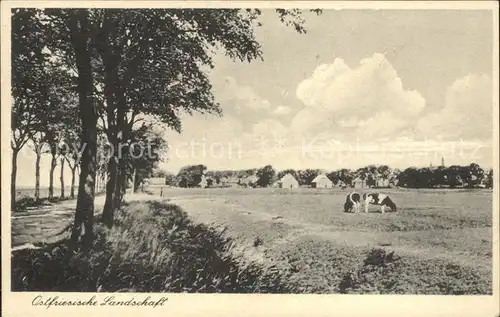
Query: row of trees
[93, 76]
[454, 176]
[267, 175]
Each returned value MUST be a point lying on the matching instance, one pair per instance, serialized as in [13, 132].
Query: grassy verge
[153, 247]
[353, 270]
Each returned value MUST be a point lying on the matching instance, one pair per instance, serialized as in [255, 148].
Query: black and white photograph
[248, 148]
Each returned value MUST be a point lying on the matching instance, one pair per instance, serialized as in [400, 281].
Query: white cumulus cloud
[366, 101]
[467, 111]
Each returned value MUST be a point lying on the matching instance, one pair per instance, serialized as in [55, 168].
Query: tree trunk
[53, 164]
[134, 176]
[37, 176]
[72, 190]
[115, 99]
[13, 178]
[84, 216]
[121, 184]
[109, 205]
[118, 189]
[61, 178]
[102, 182]
[98, 182]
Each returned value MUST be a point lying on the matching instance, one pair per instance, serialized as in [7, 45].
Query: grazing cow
[379, 199]
[353, 200]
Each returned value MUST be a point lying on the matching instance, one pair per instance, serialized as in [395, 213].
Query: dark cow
[379, 199]
[352, 201]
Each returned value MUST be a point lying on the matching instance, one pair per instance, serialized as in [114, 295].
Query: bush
[153, 247]
[23, 203]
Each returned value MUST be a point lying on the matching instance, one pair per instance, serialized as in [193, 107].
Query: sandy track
[45, 224]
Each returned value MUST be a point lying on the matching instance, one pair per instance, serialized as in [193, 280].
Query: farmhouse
[155, 184]
[288, 181]
[156, 181]
[321, 181]
[250, 181]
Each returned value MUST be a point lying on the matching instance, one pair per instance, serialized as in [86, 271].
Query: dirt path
[44, 225]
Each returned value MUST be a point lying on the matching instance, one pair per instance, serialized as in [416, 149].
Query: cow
[352, 201]
[378, 199]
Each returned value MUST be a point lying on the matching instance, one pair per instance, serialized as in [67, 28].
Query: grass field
[442, 238]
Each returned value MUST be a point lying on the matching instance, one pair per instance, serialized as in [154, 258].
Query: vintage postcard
[250, 158]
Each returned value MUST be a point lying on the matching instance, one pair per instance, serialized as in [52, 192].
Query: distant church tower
[442, 161]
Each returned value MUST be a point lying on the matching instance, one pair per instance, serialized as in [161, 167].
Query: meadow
[441, 237]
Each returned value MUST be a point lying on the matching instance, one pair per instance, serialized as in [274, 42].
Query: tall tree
[76, 33]
[266, 176]
[370, 180]
[37, 145]
[72, 154]
[147, 149]
[69, 33]
[61, 178]
[59, 116]
[346, 176]
[29, 89]
[307, 176]
[154, 60]
[394, 175]
[191, 175]
[384, 172]
[362, 174]
[334, 177]
[153, 63]
[81, 36]
[475, 176]
[489, 179]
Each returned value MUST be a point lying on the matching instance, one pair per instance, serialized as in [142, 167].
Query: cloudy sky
[396, 87]
[362, 87]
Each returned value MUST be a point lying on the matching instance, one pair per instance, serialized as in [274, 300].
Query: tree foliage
[266, 176]
[191, 175]
[128, 65]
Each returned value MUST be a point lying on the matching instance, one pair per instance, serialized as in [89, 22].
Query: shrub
[153, 247]
[24, 202]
